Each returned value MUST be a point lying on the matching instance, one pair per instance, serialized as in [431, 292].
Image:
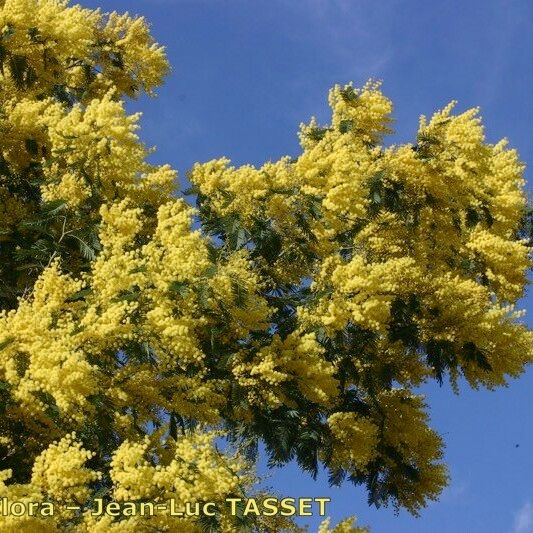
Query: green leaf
[345, 126]
[17, 66]
[472, 217]
[440, 357]
[193, 189]
[210, 271]
[403, 326]
[473, 354]
[86, 250]
[6, 343]
[129, 295]
[8, 31]
[209, 524]
[80, 295]
[53, 207]
[179, 287]
[101, 492]
[3, 57]
[315, 208]
[137, 269]
[348, 94]
[173, 428]
[268, 243]
[117, 60]
[316, 134]
[33, 34]
[62, 95]
[204, 292]
[488, 215]
[239, 293]
[242, 237]
[31, 76]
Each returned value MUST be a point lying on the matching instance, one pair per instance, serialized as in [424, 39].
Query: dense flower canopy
[314, 297]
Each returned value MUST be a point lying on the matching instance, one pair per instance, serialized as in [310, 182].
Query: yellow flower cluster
[232, 190]
[335, 170]
[405, 428]
[327, 286]
[416, 239]
[363, 291]
[355, 440]
[49, 46]
[236, 293]
[64, 44]
[159, 316]
[12, 211]
[43, 355]
[367, 110]
[23, 119]
[26, 494]
[195, 472]
[297, 358]
[59, 471]
[52, 21]
[346, 526]
[99, 137]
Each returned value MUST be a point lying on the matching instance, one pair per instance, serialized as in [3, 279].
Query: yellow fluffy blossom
[59, 471]
[355, 440]
[346, 526]
[297, 306]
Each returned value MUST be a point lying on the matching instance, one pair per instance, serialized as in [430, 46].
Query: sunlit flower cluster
[298, 304]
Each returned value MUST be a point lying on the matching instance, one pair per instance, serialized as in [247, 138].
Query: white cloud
[523, 522]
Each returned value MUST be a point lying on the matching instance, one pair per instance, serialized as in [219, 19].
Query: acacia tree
[316, 295]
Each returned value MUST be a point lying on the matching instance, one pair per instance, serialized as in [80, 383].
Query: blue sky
[247, 72]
